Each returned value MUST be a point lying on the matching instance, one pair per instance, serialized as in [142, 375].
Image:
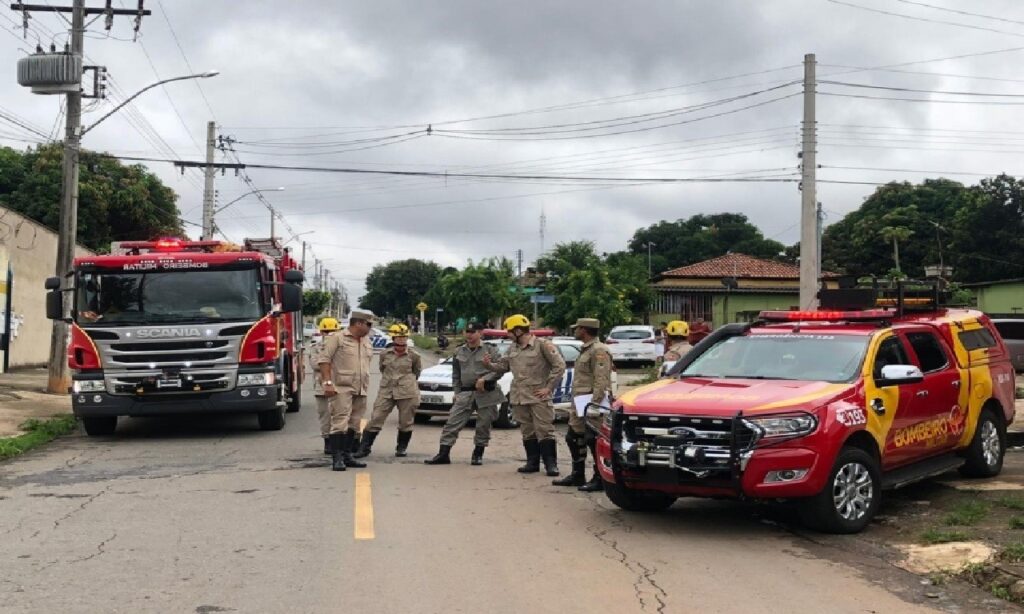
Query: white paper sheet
[580, 403]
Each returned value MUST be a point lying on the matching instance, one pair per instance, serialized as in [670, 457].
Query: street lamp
[219, 209]
[297, 235]
[649, 246]
[202, 75]
[59, 378]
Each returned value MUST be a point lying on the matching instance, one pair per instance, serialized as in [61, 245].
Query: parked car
[633, 344]
[381, 340]
[437, 396]
[1012, 332]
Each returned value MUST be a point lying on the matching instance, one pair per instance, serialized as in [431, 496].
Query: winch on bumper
[136, 394]
[705, 456]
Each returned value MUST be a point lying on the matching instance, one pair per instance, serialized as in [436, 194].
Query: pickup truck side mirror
[291, 298]
[898, 375]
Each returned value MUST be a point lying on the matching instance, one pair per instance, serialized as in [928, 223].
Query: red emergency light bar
[168, 244]
[827, 316]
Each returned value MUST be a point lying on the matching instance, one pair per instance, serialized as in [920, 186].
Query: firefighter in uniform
[676, 345]
[591, 375]
[327, 327]
[345, 371]
[399, 371]
[537, 368]
[476, 389]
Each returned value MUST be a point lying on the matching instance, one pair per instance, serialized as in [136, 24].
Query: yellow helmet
[328, 324]
[515, 321]
[677, 328]
[398, 330]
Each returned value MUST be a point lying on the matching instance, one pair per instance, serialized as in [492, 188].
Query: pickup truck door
[889, 409]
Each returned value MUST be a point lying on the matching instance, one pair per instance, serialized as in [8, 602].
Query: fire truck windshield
[795, 356]
[119, 298]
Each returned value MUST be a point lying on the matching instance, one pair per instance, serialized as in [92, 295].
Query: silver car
[1012, 332]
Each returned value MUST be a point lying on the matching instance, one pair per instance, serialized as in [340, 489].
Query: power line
[900, 99]
[959, 12]
[923, 72]
[184, 56]
[908, 170]
[919, 91]
[924, 19]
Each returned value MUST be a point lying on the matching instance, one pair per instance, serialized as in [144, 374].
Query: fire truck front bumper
[239, 400]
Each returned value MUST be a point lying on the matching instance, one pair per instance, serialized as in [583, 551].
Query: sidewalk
[23, 396]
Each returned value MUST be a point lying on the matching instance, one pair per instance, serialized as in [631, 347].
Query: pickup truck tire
[851, 496]
[271, 420]
[985, 454]
[505, 420]
[421, 418]
[637, 501]
[99, 426]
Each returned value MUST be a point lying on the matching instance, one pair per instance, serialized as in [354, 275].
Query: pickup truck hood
[724, 397]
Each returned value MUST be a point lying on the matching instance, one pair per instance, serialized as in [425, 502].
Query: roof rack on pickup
[881, 301]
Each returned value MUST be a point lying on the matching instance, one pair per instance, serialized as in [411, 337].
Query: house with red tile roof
[730, 288]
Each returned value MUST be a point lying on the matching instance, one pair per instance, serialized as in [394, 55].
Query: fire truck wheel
[100, 425]
[636, 501]
[850, 498]
[295, 403]
[985, 454]
[271, 420]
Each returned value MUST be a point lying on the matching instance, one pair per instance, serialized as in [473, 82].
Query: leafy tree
[116, 202]
[985, 233]
[315, 302]
[396, 287]
[701, 237]
[585, 285]
[479, 291]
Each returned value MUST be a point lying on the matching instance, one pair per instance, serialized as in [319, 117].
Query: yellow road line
[364, 508]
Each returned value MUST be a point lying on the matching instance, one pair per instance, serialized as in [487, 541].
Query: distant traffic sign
[421, 307]
[542, 298]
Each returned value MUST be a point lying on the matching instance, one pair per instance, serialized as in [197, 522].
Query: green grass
[37, 432]
[967, 514]
[1017, 522]
[1019, 392]
[1013, 553]
[1014, 502]
[942, 536]
[650, 376]
[425, 342]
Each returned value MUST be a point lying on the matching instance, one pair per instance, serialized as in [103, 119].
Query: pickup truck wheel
[505, 420]
[850, 498]
[421, 418]
[99, 426]
[272, 419]
[985, 454]
[636, 501]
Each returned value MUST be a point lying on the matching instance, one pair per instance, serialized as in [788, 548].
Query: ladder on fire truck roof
[271, 247]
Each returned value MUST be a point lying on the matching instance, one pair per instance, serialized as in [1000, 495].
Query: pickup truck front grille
[696, 445]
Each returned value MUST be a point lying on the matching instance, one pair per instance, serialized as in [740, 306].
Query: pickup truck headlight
[255, 379]
[776, 428]
[89, 385]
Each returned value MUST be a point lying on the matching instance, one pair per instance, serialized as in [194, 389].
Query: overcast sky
[332, 84]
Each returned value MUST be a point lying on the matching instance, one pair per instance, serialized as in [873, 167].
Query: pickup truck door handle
[956, 383]
[922, 393]
[878, 407]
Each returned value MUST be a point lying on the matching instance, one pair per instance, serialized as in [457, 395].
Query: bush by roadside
[37, 432]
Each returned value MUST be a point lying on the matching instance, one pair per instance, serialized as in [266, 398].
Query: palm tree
[896, 234]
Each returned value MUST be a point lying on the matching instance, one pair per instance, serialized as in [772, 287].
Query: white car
[636, 343]
[437, 396]
[382, 340]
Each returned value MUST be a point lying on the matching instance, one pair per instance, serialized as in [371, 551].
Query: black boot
[532, 465]
[346, 446]
[478, 456]
[403, 443]
[328, 448]
[441, 458]
[576, 451]
[355, 438]
[366, 444]
[548, 452]
[337, 450]
[596, 484]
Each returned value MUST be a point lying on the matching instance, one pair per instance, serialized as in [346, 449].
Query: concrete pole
[809, 268]
[211, 138]
[272, 216]
[59, 375]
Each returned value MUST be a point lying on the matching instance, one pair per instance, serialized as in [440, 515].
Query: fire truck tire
[985, 454]
[271, 420]
[636, 501]
[295, 403]
[99, 426]
[851, 496]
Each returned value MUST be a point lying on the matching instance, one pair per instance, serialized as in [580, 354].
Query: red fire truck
[175, 326]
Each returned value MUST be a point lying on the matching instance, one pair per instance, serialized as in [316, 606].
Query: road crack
[648, 592]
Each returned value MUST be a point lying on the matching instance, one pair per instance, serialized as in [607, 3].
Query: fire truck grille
[158, 346]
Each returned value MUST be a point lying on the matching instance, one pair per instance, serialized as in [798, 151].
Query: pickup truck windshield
[118, 298]
[795, 356]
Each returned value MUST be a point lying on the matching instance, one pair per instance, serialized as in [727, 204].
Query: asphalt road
[192, 515]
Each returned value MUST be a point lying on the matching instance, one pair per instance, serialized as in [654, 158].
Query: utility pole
[211, 146]
[59, 375]
[303, 257]
[821, 227]
[519, 261]
[273, 214]
[810, 270]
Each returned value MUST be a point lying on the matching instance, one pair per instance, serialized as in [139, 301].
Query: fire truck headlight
[92, 385]
[255, 379]
[774, 428]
